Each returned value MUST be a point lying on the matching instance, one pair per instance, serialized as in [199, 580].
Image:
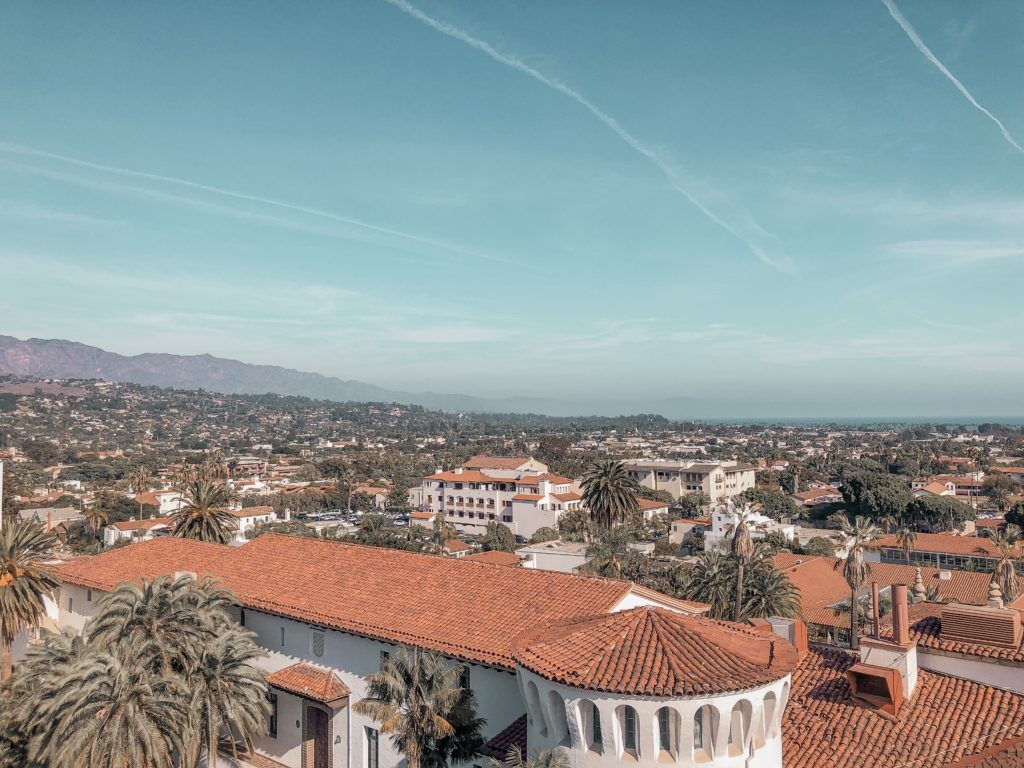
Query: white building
[557, 555]
[248, 518]
[724, 520]
[718, 480]
[514, 490]
[136, 530]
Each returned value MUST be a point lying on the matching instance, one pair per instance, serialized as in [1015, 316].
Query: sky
[796, 208]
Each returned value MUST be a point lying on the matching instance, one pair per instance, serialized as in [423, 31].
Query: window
[629, 728]
[282, 637]
[464, 677]
[384, 656]
[664, 729]
[317, 641]
[241, 617]
[596, 728]
[698, 729]
[272, 725]
[372, 748]
[71, 605]
[88, 595]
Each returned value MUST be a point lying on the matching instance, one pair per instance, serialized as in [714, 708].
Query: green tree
[443, 532]
[610, 550]
[24, 582]
[498, 537]
[713, 581]
[611, 494]
[939, 513]
[771, 503]
[875, 495]
[576, 525]
[203, 515]
[820, 546]
[692, 504]
[543, 534]
[856, 539]
[96, 517]
[413, 697]
[769, 592]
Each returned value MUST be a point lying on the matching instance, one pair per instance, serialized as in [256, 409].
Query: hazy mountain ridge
[62, 359]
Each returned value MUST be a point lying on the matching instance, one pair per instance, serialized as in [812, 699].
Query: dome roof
[656, 652]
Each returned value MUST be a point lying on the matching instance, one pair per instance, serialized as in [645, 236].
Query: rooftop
[945, 720]
[947, 543]
[656, 652]
[310, 682]
[400, 597]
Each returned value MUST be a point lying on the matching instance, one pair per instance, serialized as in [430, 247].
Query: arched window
[590, 726]
[559, 722]
[536, 712]
[668, 732]
[739, 726]
[768, 710]
[705, 726]
[630, 736]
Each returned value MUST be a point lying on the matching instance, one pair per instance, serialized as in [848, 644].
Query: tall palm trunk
[853, 619]
[738, 610]
[6, 662]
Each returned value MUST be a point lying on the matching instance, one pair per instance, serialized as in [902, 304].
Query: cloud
[784, 265]
[957, 253]
[919, 44]
[26, 151]
[449, 334]
[31, 211]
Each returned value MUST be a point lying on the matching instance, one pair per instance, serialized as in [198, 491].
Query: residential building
[718, 480]
[51, 517]
[557, 555]
[167, 501]
[724, 519]
[248, 518]
[136, 530]
[516, 491]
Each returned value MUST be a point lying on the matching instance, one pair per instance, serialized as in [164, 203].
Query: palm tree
[741, 547]
[228, 692]
[1004, 573]
[545, 758]
[140, 479]
[610, 494]
[606, 553]
[769, 592]
[24, 582]
[999, 497]
[203, 515]
[111, 712]
[442, 533]
[906, 539]
[414, 697]
[169, 618]
[856, 538]
[712, 581]
[96, 517]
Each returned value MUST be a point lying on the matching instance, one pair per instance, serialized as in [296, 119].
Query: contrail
[609, 121]
[919, 44]
[19, 149]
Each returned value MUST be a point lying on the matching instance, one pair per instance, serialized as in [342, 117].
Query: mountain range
[61, 359]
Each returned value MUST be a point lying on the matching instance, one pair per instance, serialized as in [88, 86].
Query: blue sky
[787, 206]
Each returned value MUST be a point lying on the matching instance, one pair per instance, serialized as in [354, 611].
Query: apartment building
[718, 480]
[515, 490]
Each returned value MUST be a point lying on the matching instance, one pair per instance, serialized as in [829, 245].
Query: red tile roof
[468, 476]
[570, 496]
[484, 461]
[946, 719]
[656, 652]
[134, 525]
[493, 557]
[926, 631]
[652, 504]
[946, 542]
[528, 497]
[252, 511]
[514, 735]
[309, 682]
[396, 596]
[1009, 754]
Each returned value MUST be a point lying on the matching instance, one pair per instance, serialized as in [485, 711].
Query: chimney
[900, 615]
[995, 596]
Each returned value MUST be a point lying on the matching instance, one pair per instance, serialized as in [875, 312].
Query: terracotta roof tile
[396, 596]
[926, 631]
[493, 557]
[513, 735]
[310, 682]
[946, 719]
[484, 461]
[1009, 754]
[946, 542]
[656, 652]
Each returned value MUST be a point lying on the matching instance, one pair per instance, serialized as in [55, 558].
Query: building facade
[718, 480]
